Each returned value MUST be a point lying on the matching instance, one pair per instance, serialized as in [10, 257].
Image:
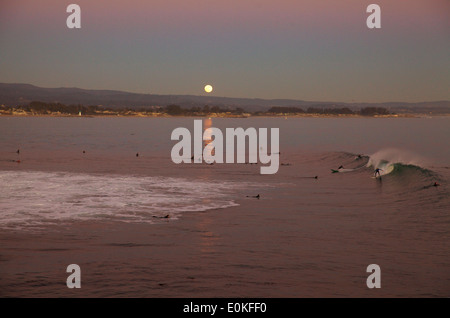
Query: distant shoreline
[46, 109]
[213, 115]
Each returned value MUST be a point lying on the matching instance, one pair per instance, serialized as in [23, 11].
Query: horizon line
[227, 97]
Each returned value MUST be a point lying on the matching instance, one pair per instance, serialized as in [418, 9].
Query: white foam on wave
[386, 158]
[33, 198]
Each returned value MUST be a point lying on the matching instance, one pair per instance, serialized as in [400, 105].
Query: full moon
[208, 88]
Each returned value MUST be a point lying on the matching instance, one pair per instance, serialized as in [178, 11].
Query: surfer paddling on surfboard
[377, 171]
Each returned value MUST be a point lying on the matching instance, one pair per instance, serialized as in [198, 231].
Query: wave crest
[398, 162]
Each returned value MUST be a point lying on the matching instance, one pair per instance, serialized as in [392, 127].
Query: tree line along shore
[58, 109]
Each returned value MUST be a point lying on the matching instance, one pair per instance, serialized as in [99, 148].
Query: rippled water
[95, 191]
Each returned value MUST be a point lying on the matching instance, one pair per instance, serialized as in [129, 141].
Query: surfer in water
[162, 217]
[377, 171]
[341, 167]
[432, 185]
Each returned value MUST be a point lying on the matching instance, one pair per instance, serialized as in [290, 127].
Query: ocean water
[32, 199]
[117, 173]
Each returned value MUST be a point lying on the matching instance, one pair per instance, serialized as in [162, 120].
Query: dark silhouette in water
[435, 185]
[377, 171]
[84, 151]
[18, 151]
[162, 217]
[253, 196]
[137, 154]
[341, 167]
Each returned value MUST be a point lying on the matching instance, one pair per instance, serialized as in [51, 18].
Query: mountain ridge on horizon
[14, 94]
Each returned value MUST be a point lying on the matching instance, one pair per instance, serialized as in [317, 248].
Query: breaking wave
[399, 163]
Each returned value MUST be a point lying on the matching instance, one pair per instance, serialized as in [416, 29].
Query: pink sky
[274, 45]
